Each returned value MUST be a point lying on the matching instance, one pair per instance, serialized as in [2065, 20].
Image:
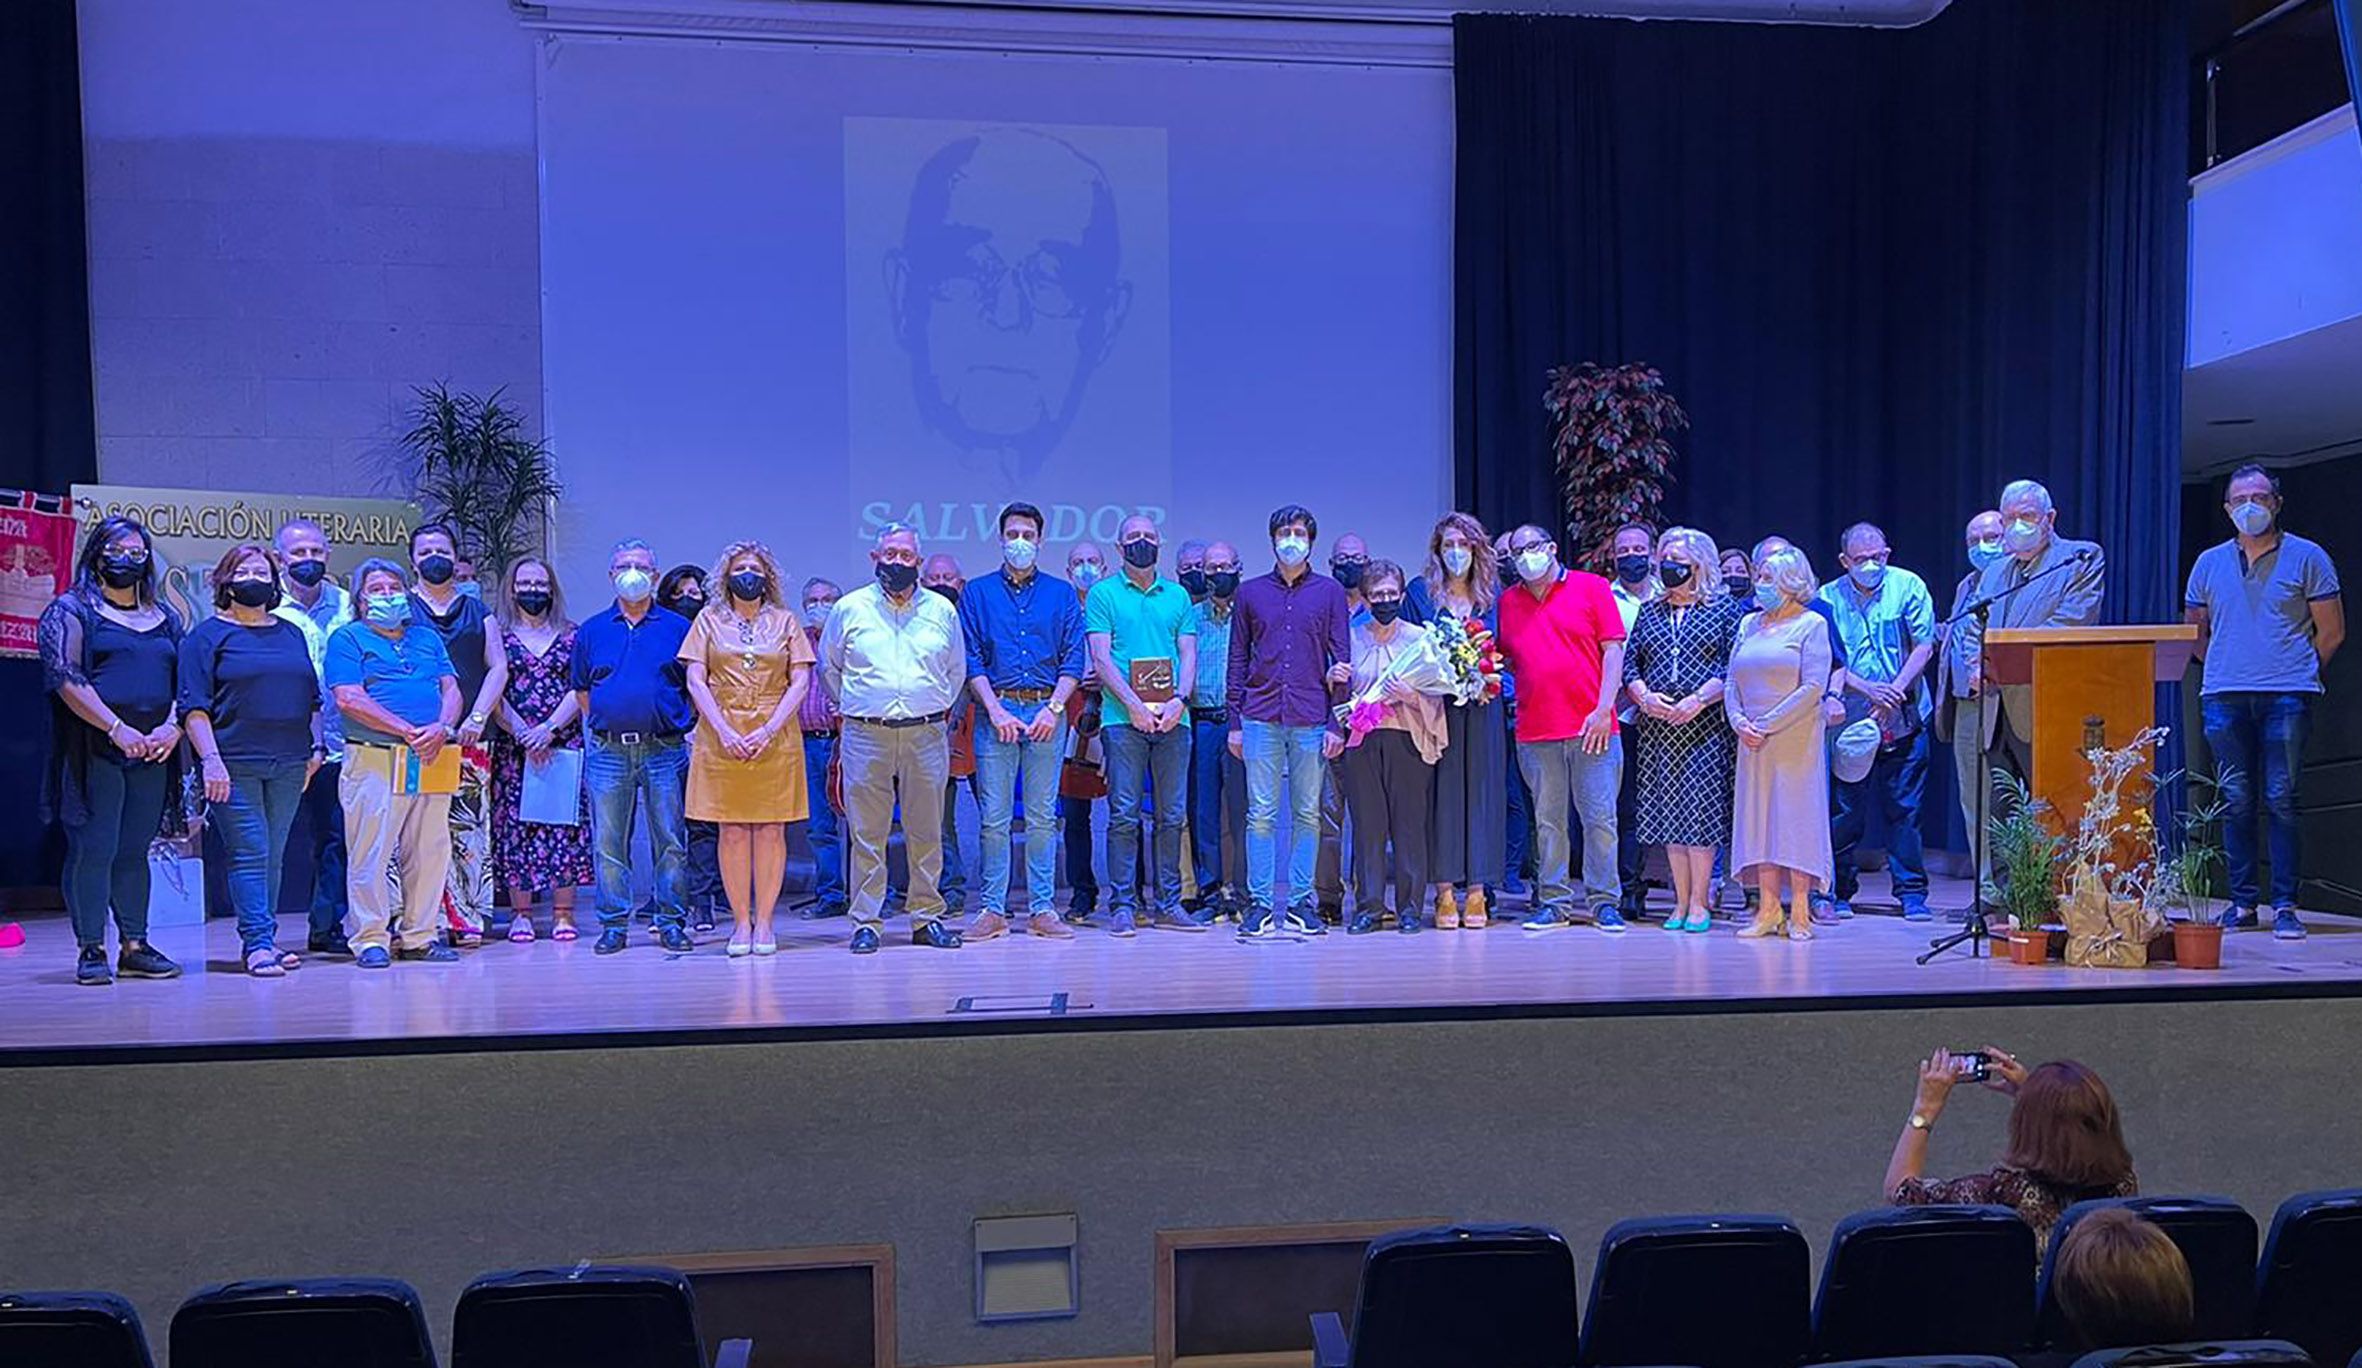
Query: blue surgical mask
[1456, 560]
[2252, 519]
[1292, 550]
[2024, 535]
[1983, 553]
[1086, 575]
[387, 610]
[471, 589]
[1019, 552]
[1768, 595]
[1869, 574]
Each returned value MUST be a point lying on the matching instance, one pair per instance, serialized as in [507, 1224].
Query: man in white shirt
[893, 657]
[318, 605]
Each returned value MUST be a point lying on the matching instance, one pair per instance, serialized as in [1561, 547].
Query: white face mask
[1533, 562]
[1018, 552]
[2022, 535]
[2252, 519]
[1456, 560]
[634, 585]
[1292, 550]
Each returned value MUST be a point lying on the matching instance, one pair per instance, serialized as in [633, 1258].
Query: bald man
[1086, 565]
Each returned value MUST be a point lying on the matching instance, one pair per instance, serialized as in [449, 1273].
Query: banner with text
[36, 563]
[193, 527]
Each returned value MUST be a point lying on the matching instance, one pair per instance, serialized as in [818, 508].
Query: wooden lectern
[2091, 685]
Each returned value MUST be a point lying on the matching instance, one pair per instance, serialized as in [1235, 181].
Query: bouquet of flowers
[1447, 661]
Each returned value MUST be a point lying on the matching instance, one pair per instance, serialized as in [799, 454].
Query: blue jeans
[1217, 802]
[823, 830]
[1277, 755]
[1160, 761]
[1562, 777]
[322, 816]
[2249, 732]
[254, 825]
[1001, 768]
[1897, 782]
[653, 771]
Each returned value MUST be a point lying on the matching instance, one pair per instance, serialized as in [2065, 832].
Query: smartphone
[1973, 1066]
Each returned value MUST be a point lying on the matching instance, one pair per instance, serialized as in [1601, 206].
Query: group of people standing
[1725, 705]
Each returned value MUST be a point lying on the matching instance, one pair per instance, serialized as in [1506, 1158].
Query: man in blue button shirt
[1026, 657]
[636, 716]
[1886, 619]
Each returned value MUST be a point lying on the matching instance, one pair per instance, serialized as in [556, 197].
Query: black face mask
[308, 573]
[1348, 573]
[1739, 586]
[1632, 569]
[749, 585]
[1224, 583]
[1142, 554]
[122, 572]
[532, 602]
[688, 605]
[1674, 574]
[437, 569]
[1195, 582]
[897, 578]
[1386, 612]
[254, 593]
[950, 592]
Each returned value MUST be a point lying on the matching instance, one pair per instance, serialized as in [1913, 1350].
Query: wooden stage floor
[546, 994]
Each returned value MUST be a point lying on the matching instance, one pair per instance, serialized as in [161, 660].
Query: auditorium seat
[1503, 1296]
[70, 1330]
[1928, 1361]
[2260, 1353]
[303, 1323]
[2216, 1237]
[2309, 1286]
[591, 1316]
[1926, 1280]
[1713, 1291]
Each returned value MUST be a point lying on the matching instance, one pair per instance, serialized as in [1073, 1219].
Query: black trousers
[1390, 793]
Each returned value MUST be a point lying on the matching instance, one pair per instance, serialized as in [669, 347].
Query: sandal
[563, 931]
[520, 929]
[266, 962]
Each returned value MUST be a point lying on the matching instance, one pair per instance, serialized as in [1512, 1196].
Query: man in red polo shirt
[1564, 639]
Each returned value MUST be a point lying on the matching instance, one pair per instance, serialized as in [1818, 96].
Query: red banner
[36, 563]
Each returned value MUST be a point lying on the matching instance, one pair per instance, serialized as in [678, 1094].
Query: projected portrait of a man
[1007, 291]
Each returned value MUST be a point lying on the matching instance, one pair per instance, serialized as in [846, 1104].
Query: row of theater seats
[1898, 1283]
[585, 1317]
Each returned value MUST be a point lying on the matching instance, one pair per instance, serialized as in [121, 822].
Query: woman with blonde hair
[1674, 666]
[749, 666]
[1779, 669]
[1466, 855]
[537, 715]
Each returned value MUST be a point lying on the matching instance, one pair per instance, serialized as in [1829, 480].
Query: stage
[549, 994]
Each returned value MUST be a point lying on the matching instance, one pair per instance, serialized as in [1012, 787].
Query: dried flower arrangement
[2108, 908]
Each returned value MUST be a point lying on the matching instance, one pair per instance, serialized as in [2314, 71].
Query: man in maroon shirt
[1290, 649]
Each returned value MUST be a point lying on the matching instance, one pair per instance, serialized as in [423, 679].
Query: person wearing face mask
[1026, 658]
[400, 696]
[1633, 554]
[1517, 869]
[539, 715]
[825, 829]
[1471, 808]
[1563, 636]
[312, 596]
[1956, 716]
[1779, 672]
[1738, 584]
[250, 697]
[2269, 615]
[893, 656]
[1217, 779]
[941, 574]
[1081, 781]
[1675, 665]
[683, 590]
[1886, 620]
[2050, 581]
[1348, 561]
[636, 715]
[1189, 568]
[110, 653]
[463, 575]
[747, 665]
[1389, 774]
[465, 625]
[1291, 655]
[1140, 628]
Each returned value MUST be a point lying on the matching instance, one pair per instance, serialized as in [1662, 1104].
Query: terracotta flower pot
[2198, 945]
[2029, 947]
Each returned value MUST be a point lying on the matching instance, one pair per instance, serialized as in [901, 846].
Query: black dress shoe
[865, 941]
[935, 934]
[328, 943]
[703, 920]
[821, 912]
[613, 940]
[676, 939]
[1363, 924]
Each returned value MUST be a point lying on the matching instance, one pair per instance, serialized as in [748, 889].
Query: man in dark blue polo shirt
[636, 713]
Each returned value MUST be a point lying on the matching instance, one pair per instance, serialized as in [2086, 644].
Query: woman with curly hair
[749, 665]
[1466, 856]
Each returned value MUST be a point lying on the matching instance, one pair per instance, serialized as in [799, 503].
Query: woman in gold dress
[749, 664]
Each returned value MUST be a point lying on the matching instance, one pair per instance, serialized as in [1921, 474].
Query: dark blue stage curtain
[46, 423]
[1885, 270]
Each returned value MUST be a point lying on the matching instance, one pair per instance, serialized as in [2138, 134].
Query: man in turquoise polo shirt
[1139, 616]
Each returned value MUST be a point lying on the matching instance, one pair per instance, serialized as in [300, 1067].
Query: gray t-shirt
[2259, 618]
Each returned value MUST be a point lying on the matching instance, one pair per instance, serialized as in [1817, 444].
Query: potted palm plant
[1613, 448]
[2026, 857]
[470, 464]
[2185, 882]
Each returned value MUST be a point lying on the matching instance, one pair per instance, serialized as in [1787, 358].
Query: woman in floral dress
[538, 715]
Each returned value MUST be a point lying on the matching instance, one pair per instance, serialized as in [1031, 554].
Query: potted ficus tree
[2026, 856]
[1611, 440]
[2185, 882]
[470, 464]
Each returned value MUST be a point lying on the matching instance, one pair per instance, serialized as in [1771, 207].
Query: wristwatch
[1920, 1121]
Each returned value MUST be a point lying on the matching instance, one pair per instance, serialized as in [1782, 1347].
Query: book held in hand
[1152, 679]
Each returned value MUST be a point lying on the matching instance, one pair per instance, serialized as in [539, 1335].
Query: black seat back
[1502, 1296]
[2202, 1354]
[1926, 1280]
[1928, 1361]
[1706, 1291]
[70, 1330]
[586, 1317]
[2217, 1239]
[303, 1323]
[2309, 1288]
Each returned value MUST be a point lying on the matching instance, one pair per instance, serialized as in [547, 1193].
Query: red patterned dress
[534, 855]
